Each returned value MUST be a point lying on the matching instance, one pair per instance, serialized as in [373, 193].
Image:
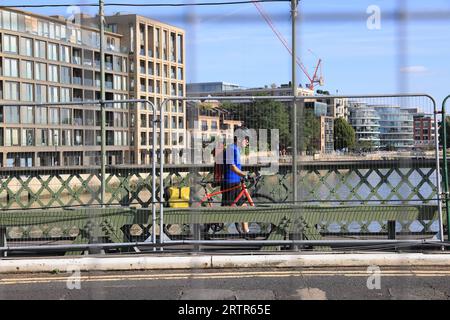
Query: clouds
[414, 69]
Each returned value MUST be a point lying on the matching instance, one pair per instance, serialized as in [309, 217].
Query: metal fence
[311, 187]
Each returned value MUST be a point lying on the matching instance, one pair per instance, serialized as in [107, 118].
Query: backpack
[179, 197]
[219, 166]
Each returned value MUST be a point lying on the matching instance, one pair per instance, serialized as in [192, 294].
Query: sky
[234, 44]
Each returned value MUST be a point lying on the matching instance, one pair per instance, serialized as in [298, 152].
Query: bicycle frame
[244, 192]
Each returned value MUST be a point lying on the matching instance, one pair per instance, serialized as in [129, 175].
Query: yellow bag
[179, 197]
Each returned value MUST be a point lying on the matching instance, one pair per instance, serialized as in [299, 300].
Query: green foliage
[263, 114]
[363, 146]
[309, 129]
[344, 134]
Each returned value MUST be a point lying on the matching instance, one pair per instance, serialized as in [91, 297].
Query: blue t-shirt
[232, 156]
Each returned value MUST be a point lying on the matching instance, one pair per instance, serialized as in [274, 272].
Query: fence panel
[366, 169]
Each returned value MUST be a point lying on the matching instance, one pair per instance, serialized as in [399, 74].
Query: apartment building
[50, 60]
[396, 127]
[366, 122]
[157, 65]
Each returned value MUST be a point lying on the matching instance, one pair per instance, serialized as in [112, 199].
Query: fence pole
[102, 101]
[153, 174]
[445, 167]
[294, 93]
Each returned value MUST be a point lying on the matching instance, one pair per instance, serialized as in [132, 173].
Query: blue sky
[234, 44]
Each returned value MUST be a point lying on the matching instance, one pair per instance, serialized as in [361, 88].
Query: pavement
[204, 261]
[201, 276]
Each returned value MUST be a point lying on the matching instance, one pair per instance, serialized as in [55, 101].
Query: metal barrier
[445, 172]
[73, 186]
[364, 193]
[397, 116]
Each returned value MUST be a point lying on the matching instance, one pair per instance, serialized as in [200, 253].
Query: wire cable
[222, 3]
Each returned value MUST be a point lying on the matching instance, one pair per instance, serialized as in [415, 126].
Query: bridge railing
[317, 184]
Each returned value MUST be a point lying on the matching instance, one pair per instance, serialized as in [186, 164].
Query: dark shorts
[229, 196]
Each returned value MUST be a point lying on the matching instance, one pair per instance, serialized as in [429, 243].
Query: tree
[309, 132]
[344, 134]
[263, 114]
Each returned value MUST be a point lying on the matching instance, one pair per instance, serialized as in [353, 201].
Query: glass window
[27, 137]
[78, 137]
[9, 43]
[117, 82]
[11, 91]
[41, 115]
[40, 71]
[26, 47]
[89, 117]
[53, 116]
[76, 56]
[174, 139]
[41, 137]
[53, 51]
[14, 21]
[26, 115]
[180, 48]
[66, 137]
[26, 69]
[65, 95]
[27, 92]
[41, 93]
[11, 114]
[6, 18]
[66, 116]
[53, 137]
[143, 121]
[53, 73]
[64, 54]
[52, 30]
[10, 67]
[39, 49]
[174, 122]
[53, 94]
[65, 75]
[11, 137]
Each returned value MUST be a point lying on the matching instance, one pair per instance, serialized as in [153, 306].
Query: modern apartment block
[210, 87]
[396, 127]
[366, 122]
[49, 60]
[157, 65]
[220, 89]
[388, 127]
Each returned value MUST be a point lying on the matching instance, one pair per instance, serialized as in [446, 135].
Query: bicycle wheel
[258, 227]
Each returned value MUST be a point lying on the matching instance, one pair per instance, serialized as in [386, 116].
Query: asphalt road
[230, 284]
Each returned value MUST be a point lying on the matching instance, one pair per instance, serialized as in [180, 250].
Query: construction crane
[315, 78]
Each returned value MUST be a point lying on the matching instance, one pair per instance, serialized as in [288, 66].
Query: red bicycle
[252, 197]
